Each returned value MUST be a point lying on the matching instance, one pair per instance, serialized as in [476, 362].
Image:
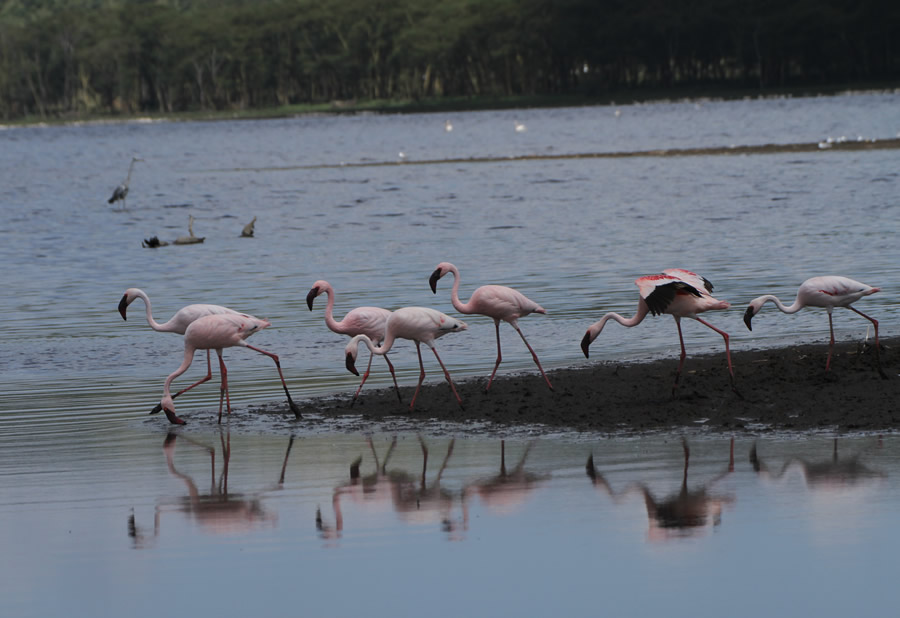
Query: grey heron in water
[121, 192]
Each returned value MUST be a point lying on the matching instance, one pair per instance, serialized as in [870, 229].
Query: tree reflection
[683, 514]
[217, 511]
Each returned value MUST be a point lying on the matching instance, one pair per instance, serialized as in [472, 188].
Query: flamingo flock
[676, 292]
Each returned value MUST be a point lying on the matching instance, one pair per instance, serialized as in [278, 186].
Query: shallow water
[103, 521]
[79, 457]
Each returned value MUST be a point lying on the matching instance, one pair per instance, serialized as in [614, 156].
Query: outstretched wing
[658, 291]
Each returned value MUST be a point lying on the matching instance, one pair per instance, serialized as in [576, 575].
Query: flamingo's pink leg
[683, 355]
[447, 374]
[830, 345]
[727, 352]
[499, 356]
[294, 408]
[533, 355]
[393, 375]
[223, 393]
[412, 403]
[877, 346]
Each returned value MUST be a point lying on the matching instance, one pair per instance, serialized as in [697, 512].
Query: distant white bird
[520, 127]
[121, 192]
[448, 126]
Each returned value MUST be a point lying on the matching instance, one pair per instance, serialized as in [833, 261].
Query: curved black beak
[351, 365]
[585, 344]
[432, 281]
[123, 306]
[748, 315]
[311, 297]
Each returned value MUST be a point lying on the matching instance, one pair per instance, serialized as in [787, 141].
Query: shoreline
[781, 389]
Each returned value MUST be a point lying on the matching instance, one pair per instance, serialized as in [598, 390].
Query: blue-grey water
[79, 457]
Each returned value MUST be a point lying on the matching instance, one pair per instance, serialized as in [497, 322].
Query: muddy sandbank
[784, 389]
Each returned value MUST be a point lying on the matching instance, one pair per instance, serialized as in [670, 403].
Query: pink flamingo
[495, 301]
[419, 324]
[681, 294]
[829, 292]
[368, 321]
[214, 332]
[179, 323]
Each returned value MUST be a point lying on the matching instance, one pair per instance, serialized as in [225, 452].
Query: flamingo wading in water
[369, 321]
[829, 291]
[419, 324]
[495, 301]
[179, 323]
[681, 294]
[215, 332]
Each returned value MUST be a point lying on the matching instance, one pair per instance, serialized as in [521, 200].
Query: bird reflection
[217, 511]
[683, 514]
[508, 490]
[834, 473]
[412, 498]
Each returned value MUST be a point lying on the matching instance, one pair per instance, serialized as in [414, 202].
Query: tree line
[76, 57]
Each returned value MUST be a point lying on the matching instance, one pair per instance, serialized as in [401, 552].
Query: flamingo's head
[352, 351]
[592, 332]
[442, 269]
[751, 311]
[168, 406]
[127, 298]
[319, 287]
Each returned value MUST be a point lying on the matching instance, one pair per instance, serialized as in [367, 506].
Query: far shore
[457, 104]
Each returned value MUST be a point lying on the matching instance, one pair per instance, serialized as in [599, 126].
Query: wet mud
[784, 389]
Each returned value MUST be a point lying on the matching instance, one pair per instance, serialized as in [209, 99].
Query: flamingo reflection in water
[683, 514]
[218, 511]
[835, 473]
[410, 496]
[508, 490]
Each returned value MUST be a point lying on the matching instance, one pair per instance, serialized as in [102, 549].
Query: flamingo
[829, 291]
[419, 324]
[681, 294]
[215, 332]
[360, 321]
[121, 192]
[495, 301]
[179, 323]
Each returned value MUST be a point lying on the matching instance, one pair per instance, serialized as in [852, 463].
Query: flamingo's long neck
[381, 350]
[454, 294]
[634, 320]
[794, 308]
[188, 359]
[163, 328]
[333, 324]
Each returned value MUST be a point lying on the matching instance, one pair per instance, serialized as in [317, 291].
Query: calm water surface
[79, 457]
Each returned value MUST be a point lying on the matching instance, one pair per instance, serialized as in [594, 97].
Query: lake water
[334, 201]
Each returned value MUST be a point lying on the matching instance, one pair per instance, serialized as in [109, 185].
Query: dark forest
[89, 58]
